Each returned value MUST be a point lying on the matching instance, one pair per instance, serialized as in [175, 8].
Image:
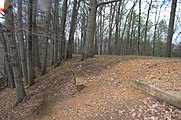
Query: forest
[57, 52]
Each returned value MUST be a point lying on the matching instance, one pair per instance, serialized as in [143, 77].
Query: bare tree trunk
[84, 20]
[155, 31]
[111, 18]
[89, 47]
[8, 68]
[146, 28]
[29, 49]
[139, 28]
[128, 31]
[22, 46]
[62, 32]
[20, 91]
[72, 29]
[132, 39]
[56, 26]
[117, 21]
[101, 31]
[170, 28]
[44, 57]
[124, 28]
[36, 56]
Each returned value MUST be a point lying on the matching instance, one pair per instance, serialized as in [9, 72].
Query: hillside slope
[104, 90]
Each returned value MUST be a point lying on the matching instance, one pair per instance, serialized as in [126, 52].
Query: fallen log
[171, 97]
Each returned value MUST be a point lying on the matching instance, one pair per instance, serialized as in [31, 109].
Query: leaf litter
[107, 95]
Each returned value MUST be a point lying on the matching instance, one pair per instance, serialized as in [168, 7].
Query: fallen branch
[172, 97]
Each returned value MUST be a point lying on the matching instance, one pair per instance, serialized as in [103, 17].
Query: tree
[35, 52]
[62, 32]
[8, 67]
[56, 26]
[111, 27]
[89, 47]
[146, 27]
[139, 27]
[20, 91]
[91, 28]
[29, 46]
[47, 23]
[22, 46]
[170, 29]
[72, 29]
[117, 21]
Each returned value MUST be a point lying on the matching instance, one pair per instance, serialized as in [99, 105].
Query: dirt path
[108, 93]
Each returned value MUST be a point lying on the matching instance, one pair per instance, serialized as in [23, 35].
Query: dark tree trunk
[146, 29]
[8, 67]
[89, 46]
[170, 29]
[72, 29]
[22, 46]
[139, 28]
[47, 25]
[56, 26]
[62, 32]
[36, 56]
[20, 91]
[29, 49]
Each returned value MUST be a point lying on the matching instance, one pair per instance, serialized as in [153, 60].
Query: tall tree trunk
[117, 21]
[62, 32]
[124, 28]
[155, 30]
[36, 56]
[111, 19]
[146, 28]
[44, 57]
[101, 31]
[139, 28]
[170, 29]
[56, 26]
[132, 39]
[20, 91]
[8, 67]
[72, 29]
[22, 46]
[128, 33]
[89, 46]
[29, 49]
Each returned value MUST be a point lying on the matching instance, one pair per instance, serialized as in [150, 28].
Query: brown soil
[104, 91]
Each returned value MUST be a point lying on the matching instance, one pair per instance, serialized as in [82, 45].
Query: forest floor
[103, 91]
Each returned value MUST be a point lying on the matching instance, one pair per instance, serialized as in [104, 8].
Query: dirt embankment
[105, 91]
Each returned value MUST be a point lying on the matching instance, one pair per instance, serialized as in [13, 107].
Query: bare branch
[103, 3]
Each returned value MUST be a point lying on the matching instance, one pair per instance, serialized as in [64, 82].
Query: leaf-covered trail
[108, 93]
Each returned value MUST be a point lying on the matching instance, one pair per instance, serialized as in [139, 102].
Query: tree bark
[20, 91]
[56, 26]
[72, 29]
[117, 21]
[146, 28]
[29, 46]
[36, 56]
[139, 28]
[155, 30]
[111, 19]
[170, 29]
[8, 67]
[89, 47]
[62, 32]
[44, 57]
[22, 46]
